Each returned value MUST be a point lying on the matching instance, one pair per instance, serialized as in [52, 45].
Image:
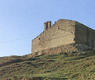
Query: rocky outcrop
[63, 49]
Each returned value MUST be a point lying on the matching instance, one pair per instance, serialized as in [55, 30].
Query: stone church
[64, 35]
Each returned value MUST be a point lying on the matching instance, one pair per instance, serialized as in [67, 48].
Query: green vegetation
[63, 66]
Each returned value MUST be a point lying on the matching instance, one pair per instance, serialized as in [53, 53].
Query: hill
[63, 66]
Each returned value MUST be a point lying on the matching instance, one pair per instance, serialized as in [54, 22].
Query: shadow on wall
[84, 35]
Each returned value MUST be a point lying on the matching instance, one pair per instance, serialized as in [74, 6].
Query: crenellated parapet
[47, 25]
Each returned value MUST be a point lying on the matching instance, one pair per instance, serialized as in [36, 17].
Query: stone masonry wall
[84, 35]
[61, 33]
[64, 32]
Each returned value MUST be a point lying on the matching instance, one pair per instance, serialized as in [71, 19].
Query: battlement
[47, 25]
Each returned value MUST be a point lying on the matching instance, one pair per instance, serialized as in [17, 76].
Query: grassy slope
[75, 66]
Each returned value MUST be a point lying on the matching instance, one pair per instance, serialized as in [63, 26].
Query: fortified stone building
[63, 36]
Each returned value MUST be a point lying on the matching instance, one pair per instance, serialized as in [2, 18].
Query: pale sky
[22, 20]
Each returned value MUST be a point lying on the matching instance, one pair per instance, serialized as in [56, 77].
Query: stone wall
[61, 33]
[84, 35]
[66, 49]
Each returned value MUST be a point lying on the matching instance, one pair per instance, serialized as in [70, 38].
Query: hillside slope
[63, 66]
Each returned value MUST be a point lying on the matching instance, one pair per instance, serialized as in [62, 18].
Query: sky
[22, 20]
